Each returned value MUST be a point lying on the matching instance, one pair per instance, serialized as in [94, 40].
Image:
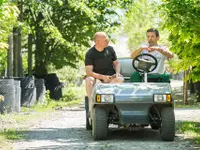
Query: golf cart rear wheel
[99, 124]
[88, 125]
[167, 130]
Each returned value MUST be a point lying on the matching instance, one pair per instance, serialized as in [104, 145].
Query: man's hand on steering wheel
[151, 48]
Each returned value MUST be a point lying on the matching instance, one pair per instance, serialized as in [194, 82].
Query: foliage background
[181, 19]
[8, 19]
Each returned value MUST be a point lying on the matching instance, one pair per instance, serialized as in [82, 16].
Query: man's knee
[90, 80]
[118, 80]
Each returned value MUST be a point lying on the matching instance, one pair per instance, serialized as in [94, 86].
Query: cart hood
[132, 89]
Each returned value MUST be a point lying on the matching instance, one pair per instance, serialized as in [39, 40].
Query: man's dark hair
[153, 30]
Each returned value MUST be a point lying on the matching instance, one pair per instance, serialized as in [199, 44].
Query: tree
[144, 14]
[62, 29]
[8, 19]
[182, 20]
[1, 2]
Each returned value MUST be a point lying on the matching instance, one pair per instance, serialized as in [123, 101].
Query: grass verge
[71, 96]
[193, 106]
[189, 129]
[10, 134]
[10, 123]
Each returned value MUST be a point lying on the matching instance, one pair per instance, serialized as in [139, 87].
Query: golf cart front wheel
[155, 126]
[167, 130]
[99, 124]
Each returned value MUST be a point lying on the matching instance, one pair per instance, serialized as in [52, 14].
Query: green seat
[136, 77]
[165, 77]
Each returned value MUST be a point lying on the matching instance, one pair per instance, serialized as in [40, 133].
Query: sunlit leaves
[1, 2]
[182, 19]
[142, 16]
[67, 26]
[8, 19]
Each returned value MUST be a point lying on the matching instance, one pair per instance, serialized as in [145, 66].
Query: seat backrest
[126, 67]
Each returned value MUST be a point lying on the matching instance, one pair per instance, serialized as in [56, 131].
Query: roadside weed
[10, 134]
[189, 129]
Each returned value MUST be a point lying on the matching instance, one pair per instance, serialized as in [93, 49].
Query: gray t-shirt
[160, 57]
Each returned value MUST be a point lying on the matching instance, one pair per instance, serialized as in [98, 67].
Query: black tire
[167, 130]
[155, 126]
[99, 124]
[88, 125]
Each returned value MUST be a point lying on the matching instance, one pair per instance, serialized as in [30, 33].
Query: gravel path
[65, 130]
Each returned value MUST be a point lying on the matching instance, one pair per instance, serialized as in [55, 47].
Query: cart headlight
[108, 98]
[162, 98]
[159, 98]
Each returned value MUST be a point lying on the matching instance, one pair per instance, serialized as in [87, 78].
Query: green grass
[194, 106]
[10, 134]
[71, 96]
[13, 134]
[53, 105]
[8, 129]
[20, 118]
[189, 129]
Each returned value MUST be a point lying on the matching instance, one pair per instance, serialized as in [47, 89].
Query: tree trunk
[15, 52]
[20, 65]
[10, 57]
[30, 43]
[197, 90]
[185, 87]
[40, 64]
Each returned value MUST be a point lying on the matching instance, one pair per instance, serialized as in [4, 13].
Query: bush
[69, 74]
[70, 93]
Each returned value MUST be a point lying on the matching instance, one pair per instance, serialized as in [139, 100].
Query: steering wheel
[147, 64]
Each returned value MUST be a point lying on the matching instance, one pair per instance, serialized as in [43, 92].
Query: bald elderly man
[101, 63]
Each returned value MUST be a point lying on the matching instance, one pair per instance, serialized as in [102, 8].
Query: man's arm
[138, 51]
[117, 68]
[165, 51]
[89, 72]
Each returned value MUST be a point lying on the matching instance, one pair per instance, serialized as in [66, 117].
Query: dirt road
[65, 130]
